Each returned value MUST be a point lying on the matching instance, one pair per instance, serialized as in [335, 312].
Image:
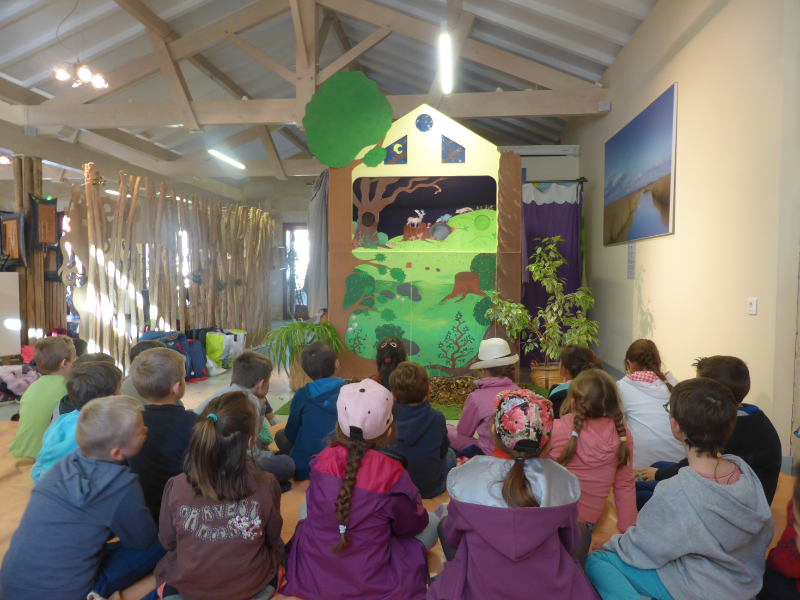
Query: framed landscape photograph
[639, 190]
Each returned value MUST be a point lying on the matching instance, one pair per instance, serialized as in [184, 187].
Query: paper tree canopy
[347, 114]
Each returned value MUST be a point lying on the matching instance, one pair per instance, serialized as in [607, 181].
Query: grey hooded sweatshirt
[73, 511]
[707, 541]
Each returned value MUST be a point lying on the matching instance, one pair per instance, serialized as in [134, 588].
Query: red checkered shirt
[784, 558]
[643, 376]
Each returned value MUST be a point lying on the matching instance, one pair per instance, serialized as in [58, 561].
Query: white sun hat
[494, 352]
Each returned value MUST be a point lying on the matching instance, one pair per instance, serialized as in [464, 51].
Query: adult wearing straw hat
[495, 369]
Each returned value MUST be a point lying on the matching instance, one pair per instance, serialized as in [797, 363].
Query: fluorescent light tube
[227, 159]
[445, 60]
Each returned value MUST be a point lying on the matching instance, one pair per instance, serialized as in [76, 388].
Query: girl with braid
[644, 392]
[363, 532]
[593, 443]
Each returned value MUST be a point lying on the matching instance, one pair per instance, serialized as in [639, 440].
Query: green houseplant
[560, 322]
[284, 345]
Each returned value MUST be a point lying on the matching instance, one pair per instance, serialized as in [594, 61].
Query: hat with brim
[494, 352]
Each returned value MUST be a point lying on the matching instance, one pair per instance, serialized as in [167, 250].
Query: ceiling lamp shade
[62, 73]
[85, 74]
[99, 82]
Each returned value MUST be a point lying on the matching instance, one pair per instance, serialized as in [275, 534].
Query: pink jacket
[478, 412]
[595, 466]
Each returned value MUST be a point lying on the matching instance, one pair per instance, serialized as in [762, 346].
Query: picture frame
[44, 223]
[12, 239]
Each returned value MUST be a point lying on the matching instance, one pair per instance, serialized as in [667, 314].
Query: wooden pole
[19, 205]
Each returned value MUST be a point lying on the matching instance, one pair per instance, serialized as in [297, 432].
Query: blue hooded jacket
[73, 511]
[422, 439]
[59, 441]
[312, 419]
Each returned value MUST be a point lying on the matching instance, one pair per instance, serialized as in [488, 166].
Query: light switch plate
[752, 306]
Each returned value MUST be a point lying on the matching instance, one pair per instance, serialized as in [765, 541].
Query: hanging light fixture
[85, 74]
[4, 160]
[63, 72]
[74, 73]
[99, 82]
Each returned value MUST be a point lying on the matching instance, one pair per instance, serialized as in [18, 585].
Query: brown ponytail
[508, 371]
[576, 359]
[356, 449]
[217, 461]
[516, 488]
[645, 354]
[596, 396]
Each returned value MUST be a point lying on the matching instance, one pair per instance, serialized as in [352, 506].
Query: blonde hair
[50, 352]
[155, 371]
[106, 423]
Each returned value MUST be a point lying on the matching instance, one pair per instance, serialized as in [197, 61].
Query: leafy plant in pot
[561, 321]
[285, 344]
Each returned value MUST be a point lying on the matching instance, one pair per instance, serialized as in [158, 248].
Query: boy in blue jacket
[421, 430]
[60, 550]
[86, 381]
[312, 416]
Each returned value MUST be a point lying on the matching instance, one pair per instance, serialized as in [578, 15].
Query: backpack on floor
[197, 357]
[200, 334]
[175, 340]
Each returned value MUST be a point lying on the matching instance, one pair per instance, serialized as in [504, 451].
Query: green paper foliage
[347, 114]
[375, 157]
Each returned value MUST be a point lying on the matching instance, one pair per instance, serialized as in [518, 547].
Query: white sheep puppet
[461, 211]
[415, 221]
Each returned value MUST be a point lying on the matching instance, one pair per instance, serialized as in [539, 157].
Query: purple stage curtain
[549, 210]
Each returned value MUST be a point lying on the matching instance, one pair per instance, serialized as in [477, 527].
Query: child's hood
[502, 383]
[598, 440]
[324, 392]
[414, 422]
[657, 389]
[84, 480]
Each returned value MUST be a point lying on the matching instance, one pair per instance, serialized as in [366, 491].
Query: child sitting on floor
[65, 406]
[53, 356]
[496, 371]
[221, 520]
[85, 381]
[128, 389]
[363, 512]
[754, 438]
[704, 533]
[594, 444]
[782, 577]
[251, 375]
[421, 430]
[158, 375]
[573, 360]
[644, 391]
[512, 520]
[60, 550]
[312, 414]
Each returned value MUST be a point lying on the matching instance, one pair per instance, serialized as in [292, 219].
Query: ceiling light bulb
[99, 82]
[85, 74]
[4, 160]
[227, 159]
[62, 74]
[77, 83]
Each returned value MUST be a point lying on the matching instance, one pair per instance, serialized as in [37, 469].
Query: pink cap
[364, 406]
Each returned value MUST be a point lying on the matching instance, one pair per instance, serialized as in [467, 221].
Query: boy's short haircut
[705, 410]
[50, 352]
[318, 360]
[155, 371]
[92, 357]
[80, 346]
[249, 368]
[145, 345]
[106, 423]
[409, 383]
[87, 381]
[727, 370]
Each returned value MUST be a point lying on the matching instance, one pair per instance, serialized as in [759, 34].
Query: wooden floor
[16, 484]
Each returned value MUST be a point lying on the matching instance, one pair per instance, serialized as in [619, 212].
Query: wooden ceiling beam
[269, 62]
[176, 84]
[272, 152]
[304, 16]
[18, 94]
[351, 55]
[293, 138]
[500, 60]
[303, 61]
[540, 103]
[301, 167]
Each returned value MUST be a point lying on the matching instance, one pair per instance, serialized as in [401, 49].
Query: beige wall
[550, 167]
[737, 213]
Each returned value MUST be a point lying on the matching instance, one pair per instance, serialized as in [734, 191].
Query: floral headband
[523, 416]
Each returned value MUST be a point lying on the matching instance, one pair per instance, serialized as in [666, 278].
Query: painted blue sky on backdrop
[642, 150]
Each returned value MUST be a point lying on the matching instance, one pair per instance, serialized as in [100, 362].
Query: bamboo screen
[203, 263]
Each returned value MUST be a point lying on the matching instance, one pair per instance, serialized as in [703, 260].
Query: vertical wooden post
[19, 205]
[38, 261]
[306, 69]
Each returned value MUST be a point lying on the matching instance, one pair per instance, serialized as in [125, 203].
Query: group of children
[205, 512]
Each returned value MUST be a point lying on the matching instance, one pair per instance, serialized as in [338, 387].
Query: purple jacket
[383, 561]
[512, 553]
[478, 414]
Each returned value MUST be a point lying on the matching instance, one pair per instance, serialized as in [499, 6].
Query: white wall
[737, 212]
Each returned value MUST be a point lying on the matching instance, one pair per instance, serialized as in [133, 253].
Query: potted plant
[560, 322]
[284, 345]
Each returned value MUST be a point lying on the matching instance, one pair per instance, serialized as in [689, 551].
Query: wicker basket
[546, 377]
